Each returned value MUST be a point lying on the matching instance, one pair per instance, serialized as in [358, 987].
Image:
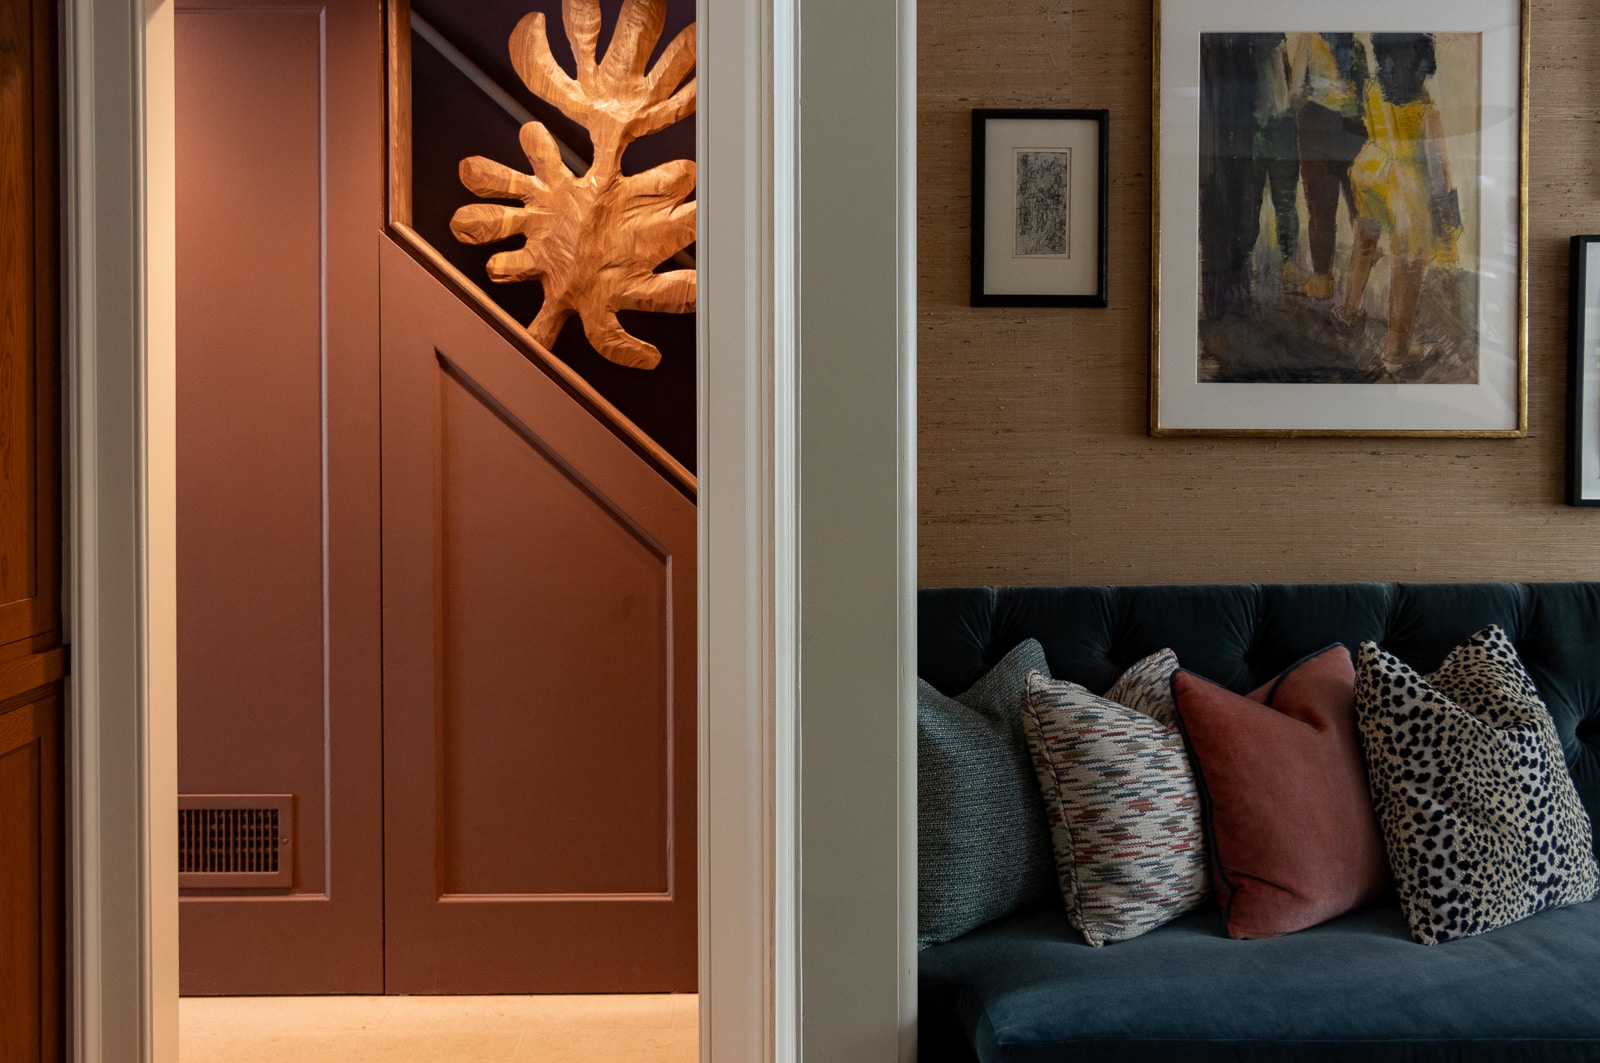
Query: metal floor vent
[235, 841]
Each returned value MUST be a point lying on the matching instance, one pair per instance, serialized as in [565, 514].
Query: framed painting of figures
[1038, 207]
[1340, 210]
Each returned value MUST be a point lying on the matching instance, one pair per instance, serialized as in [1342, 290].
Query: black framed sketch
[1038, 207]
[1583, 375]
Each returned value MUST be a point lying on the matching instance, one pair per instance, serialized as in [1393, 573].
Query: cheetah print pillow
[1479, 815]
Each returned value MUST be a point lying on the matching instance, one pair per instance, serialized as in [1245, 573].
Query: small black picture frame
[1039, 179]
[1583, 375]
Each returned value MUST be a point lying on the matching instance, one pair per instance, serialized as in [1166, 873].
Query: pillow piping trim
[1074, 916]
[1272, 692]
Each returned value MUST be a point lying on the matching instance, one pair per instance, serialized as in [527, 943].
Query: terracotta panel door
[539, 675]
[279, 108]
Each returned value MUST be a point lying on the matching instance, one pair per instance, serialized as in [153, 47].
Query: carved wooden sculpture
[594, 241]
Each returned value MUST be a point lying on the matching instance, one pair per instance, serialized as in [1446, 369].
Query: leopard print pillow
[1479, 816]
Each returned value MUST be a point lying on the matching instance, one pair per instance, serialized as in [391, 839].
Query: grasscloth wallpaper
[1035, 464]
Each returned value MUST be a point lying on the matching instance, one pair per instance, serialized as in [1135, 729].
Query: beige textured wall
[1035, 465]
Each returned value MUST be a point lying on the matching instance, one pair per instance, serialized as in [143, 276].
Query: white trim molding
[906, 516]
[856, 281]
[118, 330]
[807, 476]
[749, 962]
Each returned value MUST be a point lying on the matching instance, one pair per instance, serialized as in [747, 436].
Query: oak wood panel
[29, 395]
[280, 200]
[30, 879]
[397, 126]
[23, 675]
[1034, 463]
[539, 719]
[32, 938]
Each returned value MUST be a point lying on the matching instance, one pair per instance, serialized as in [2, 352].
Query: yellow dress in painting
[1399, 174]
[1402, 189]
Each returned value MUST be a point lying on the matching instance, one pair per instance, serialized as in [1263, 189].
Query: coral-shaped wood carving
[594, 242]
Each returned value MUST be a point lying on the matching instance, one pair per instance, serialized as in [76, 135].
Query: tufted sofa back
[1241, 635]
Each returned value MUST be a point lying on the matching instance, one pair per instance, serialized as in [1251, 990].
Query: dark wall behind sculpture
[453, 119]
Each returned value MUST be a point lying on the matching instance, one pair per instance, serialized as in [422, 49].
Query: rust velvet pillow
[1293, 837]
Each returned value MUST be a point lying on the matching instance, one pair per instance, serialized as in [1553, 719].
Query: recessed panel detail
[252, 293]
[555, 677]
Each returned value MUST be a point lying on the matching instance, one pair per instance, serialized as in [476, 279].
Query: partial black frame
[1580, 405]
[980, 119]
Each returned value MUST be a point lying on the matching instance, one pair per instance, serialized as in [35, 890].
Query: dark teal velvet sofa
[1027, 989]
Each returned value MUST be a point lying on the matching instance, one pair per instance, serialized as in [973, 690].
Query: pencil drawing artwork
[1338, 224]
[1044, 193]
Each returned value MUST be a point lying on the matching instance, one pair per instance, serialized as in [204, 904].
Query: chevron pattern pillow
[1120, 795]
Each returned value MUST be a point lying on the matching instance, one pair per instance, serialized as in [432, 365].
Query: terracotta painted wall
[1035, 464]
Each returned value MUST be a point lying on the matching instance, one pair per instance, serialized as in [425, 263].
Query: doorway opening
[437, 581]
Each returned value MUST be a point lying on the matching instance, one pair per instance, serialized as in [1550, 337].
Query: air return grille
[235, 841]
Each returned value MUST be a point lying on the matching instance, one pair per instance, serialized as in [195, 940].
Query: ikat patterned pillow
[1480, 819]
[1121, 800]
[1147, 687]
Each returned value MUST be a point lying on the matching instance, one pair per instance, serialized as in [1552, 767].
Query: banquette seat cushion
[1027, 987]
[1356, 988]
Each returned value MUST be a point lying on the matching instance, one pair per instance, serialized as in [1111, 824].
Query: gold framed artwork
[1341, 202]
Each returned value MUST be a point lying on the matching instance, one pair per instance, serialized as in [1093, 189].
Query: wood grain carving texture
[1034, 461]
[593, 242]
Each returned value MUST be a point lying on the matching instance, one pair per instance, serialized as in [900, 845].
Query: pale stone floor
[542, 1029]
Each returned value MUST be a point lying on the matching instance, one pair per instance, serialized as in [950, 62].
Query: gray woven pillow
[983, 844]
